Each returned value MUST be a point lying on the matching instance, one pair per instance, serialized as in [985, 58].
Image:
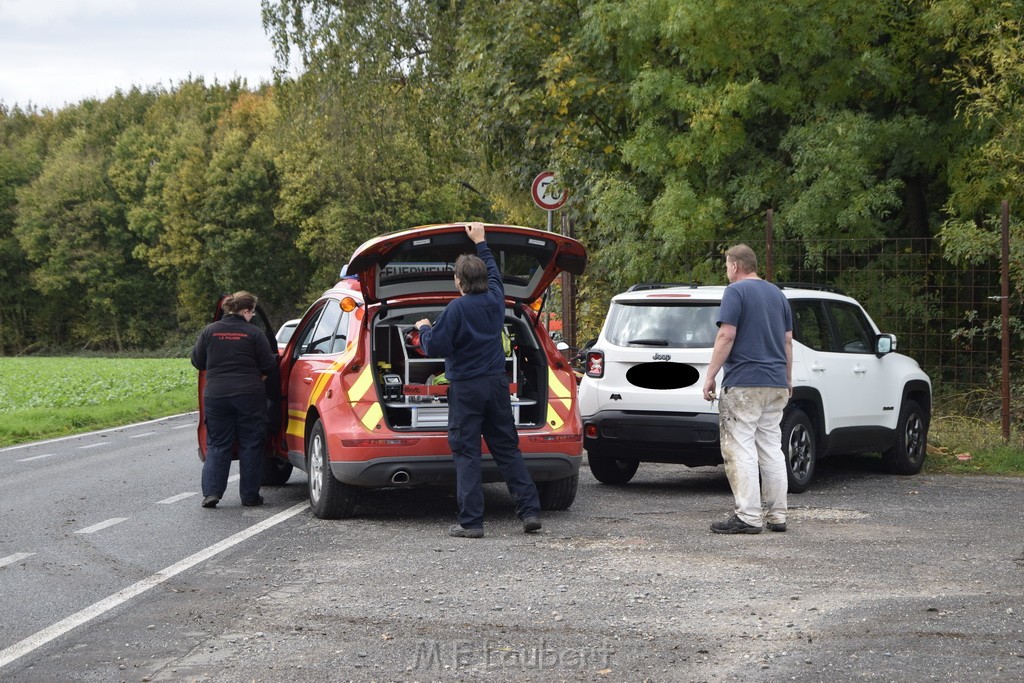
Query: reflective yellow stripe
[296, 423]
[297, 419]
[554, 421]
[362, 385]
[372, 417]
[323, 377]
[559, 389]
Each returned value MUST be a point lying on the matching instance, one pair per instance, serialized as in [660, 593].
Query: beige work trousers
[751, 438]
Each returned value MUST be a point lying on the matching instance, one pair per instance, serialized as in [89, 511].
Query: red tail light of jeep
[595, 364]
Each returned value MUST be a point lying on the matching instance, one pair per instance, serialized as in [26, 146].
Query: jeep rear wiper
[649, 342]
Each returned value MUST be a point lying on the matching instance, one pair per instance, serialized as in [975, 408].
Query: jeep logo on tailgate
[662, 356]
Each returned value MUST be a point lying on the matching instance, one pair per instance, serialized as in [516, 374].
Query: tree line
[675, 125]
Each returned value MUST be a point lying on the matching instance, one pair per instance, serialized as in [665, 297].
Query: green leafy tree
[21, 153]
[72, 229]
[987, 77]
[374, 141]
[193, 193]
[677, 124]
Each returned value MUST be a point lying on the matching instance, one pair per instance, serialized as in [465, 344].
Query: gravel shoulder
[878, 578]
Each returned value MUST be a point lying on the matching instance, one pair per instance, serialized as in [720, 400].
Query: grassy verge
[968, 445]
[49, 397]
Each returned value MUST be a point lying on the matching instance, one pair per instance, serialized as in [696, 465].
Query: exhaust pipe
[400, 477]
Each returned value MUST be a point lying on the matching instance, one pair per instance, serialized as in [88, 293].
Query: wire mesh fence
[945, 316]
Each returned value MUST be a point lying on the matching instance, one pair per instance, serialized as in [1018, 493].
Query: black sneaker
[776, 526]
[531, 524]
[463, 532]
[258, 500]
[211, 501]
[735, 525]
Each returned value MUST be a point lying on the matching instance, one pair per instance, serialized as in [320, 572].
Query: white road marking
[175, 499]
[139, 436]
[86, 615]
[184, 426]
[102, 525]
[101, 431]
[37, 457]
[16, 557]
[93, 445]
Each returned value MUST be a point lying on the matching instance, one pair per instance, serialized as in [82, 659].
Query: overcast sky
[59, 52]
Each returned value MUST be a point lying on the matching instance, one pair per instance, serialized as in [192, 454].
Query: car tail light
[595, 364]
[590, 431]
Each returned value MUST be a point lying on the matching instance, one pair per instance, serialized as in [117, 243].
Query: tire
[800, 449]
[329, 498]
[559, 493]
[276, 471]
[907, 454]
[612, 470]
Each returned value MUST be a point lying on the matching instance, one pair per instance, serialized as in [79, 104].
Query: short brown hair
[472, 273]
[744, 257]
[239, 301]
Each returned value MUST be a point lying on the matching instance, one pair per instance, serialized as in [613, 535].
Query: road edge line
[50, 633]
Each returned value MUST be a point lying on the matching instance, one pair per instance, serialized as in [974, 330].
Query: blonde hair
[239, 301]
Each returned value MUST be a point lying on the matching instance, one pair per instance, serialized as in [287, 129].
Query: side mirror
[562, 346]
[885, 343]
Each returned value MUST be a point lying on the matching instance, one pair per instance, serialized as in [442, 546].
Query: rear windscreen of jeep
[662, 325]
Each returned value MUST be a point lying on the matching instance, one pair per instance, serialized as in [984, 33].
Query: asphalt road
[110, 570]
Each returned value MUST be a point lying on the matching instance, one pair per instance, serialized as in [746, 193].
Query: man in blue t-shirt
[755, 346]
[468, 335]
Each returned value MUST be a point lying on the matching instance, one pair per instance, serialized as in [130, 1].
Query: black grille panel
[662, 376]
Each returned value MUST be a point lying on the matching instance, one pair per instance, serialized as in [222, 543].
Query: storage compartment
[411, 385]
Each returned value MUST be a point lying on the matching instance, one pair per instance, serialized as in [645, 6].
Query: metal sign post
[550, 196]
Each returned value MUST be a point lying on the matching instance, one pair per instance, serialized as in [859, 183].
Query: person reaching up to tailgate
[468, 335]
[236, 357]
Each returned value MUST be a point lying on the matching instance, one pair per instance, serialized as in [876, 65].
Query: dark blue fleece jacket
[468, 331]
[234, 353]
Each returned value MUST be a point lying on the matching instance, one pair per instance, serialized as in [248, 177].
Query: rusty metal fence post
[1005, 277]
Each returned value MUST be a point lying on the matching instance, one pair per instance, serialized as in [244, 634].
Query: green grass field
[48, 397]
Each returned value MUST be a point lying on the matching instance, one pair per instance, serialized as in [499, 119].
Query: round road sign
[547, 194]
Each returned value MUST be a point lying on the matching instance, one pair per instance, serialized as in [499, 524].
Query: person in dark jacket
[468, 335]
[236, 357]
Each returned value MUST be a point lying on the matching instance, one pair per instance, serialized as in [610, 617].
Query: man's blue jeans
[482, 407]
[243, 417]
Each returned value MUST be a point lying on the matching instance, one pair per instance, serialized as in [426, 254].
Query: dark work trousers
[243, 417]
[481, 407]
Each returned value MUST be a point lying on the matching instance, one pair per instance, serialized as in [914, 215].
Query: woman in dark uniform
[236, 357]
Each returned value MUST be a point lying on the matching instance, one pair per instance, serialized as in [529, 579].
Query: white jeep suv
[641, 401]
